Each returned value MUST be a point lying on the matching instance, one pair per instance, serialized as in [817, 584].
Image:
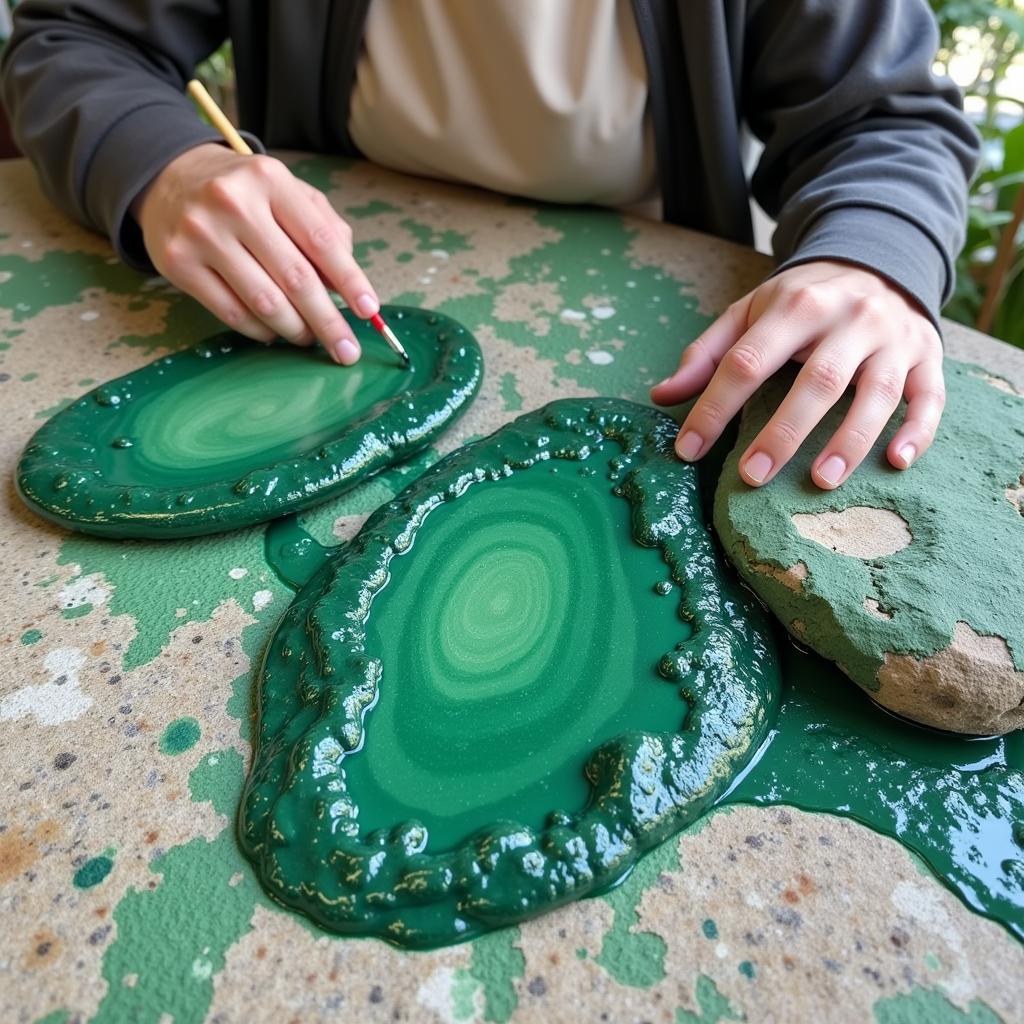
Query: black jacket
[867, 155]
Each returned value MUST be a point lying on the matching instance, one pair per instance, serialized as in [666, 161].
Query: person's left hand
[845, 325]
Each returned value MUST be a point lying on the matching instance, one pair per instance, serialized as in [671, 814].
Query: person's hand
[256, 246]
[845, 325]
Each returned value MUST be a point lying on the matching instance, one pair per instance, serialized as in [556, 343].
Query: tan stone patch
[971, 686]
[817, 904]
[858, 531]
[872, 607]
[1015, 496]
[526, 302]
[792, 578]
[999, 383]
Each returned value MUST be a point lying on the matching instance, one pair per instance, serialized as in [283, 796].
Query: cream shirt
[539, 98]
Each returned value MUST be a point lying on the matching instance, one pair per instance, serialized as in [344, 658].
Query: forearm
[95, 94]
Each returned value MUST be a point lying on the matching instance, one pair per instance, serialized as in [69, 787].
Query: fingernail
[347, 351]
[832, 469]
[908, 453]
[367, 305]
[689, 446]
[758, 466]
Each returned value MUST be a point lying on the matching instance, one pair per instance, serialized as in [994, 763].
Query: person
[865, 166]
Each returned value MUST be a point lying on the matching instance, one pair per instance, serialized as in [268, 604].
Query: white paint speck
[5, 276]
[424, 280]
[83, 590]
[573, 315]
[439, 254]
[238, 573]
[600, 358]
[89, 314]
[721, 950]
[261, 599]
[26, 244]
[201, 968]
[602, 312]
[56, 701]
[631, 284]
[180, 613]
[436, 992]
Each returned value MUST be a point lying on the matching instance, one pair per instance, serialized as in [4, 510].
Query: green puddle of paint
[181, 735]
[489, 790]
[957, 802]
[92, 872]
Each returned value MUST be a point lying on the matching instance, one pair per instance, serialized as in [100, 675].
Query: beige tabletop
[125, 674]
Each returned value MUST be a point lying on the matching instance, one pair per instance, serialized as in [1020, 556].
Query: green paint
[463, 994]
[710, 929]
[954, 502]
[405, 257]
[4, 346]
[175, 937]
[52, 410]
[92, 872]
[714, 1007]
[86, 382]
[932, 962]
[305, 815]
[930, 1006]
[495, 964]
[56, 1017]
[47, 581]
[361, 251]
[230, 433]
[77, 611]
[429, 238]
[319, 171]
[746, 968]
[31, 636]
[29, 377]
[374, 208]
[957, 803]
[181, 735]
[509, 395]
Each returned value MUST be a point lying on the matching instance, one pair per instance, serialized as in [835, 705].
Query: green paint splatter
[319, 171]
[55, 1017]
[495, 964]
[86, 382]
[47, 582]
[361, 250]
[581, 954]
[4, 346]
[932, 962]
[29, 376]
[77, 611]
[404, 257]
[509, 395]
[464, 989]
[52, 410]
[429, 238]
[746, 968]
[175, 937]
[92, 872]
[31, 636]
[714, 1007]
[181, 735]
[710, 929]
[372, 209]
[930, 1006]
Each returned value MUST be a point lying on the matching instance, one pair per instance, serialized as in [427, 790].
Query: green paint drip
[332, 826]
[930, 1006]
[31, 636]
[509, 395]
[714, 1007]
[374, 208]
[495, 964]
[231, 433]
[710, 929]
[174, 938]
[181, 735]
[93, 871]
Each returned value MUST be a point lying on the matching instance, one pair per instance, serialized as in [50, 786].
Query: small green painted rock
[484, 706]
[909, 581]
[231, 433]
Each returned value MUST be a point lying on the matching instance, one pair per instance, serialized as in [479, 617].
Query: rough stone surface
[909, 581]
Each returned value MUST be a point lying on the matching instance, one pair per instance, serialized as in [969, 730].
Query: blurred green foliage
[990, 35]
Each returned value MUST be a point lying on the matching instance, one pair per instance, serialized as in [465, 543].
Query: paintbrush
[220, 121]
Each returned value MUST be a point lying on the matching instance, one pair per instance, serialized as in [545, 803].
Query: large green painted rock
[909, 581]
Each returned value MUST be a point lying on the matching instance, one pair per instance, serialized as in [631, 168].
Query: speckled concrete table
[124, 687]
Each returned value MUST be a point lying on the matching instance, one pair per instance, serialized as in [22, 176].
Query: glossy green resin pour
[231, 433]
[525, 670]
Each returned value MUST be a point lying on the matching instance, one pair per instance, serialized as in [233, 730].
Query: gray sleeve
[94, 89]
[867, 153]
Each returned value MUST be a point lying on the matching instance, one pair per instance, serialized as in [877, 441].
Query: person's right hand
[256, 246]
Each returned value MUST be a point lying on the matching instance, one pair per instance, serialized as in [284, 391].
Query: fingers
[701, 357]
[742, 369]
[926, 398]
[309, 219]
[879, 390]
[818, 386]
[207, 286]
